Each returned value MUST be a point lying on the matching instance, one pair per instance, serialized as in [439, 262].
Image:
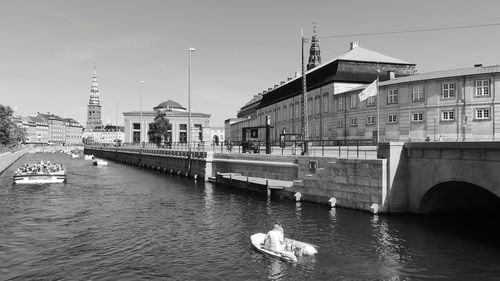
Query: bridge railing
[329, 148]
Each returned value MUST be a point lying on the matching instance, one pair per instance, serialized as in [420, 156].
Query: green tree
[6, 125]
[158, 131]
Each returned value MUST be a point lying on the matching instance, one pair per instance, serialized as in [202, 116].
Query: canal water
[120, 222]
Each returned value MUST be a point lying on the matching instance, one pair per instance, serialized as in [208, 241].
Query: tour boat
[38, 177]
[99, 162]
[302, 247]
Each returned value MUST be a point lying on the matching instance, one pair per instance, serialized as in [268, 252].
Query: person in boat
[275, 241]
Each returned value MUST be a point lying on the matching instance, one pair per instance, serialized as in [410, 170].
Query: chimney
[264, 92]
[289, 79]
[354, 44]
[282, 82]
[478, 65]
[269, 89]
[275, 86]
[391, 75]
[296, 74]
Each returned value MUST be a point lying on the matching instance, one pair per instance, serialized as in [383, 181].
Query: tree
[158, 131]
[6, 125]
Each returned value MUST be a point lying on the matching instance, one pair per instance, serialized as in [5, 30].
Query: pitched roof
[441, 74]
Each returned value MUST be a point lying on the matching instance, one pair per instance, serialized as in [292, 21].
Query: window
[418, 93]
[353, 100]
[340, 103]
[291, 111]
[297, 110]
[309, 107]
[370, 101]
[392, 96]
[354, 121]
[482, 113]
[370, 120]
[278, 117]
[392, 118]
[317, 104]
[340, 123]
[448, 91]
[448, 115]
[326, 102]
[284, 113]
[183, 127]
[137, 126]
[417, 117]
[482, 87]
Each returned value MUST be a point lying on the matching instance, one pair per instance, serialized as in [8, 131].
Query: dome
[170, 104]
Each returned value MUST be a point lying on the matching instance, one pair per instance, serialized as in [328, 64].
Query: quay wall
[172, 161]
[349, 183]
[343, 182]
[8, 158]
[257, 165]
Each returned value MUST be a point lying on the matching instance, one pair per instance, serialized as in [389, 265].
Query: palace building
[137, 124]
[449, 105]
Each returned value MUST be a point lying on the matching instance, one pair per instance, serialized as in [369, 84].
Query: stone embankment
[8, 158]
[342, 182]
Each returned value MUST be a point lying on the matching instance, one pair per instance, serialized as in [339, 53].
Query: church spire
[94, 90]
[94, 107]
[314, 52]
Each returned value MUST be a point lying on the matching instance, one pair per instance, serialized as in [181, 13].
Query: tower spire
[94, 107]
[314, 52]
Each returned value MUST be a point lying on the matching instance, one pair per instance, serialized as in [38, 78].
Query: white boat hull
[39, 179]
[258, 243]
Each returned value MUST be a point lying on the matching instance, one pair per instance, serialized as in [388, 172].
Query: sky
[48, 48]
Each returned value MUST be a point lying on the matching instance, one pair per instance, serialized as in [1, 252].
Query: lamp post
[435, 128]
[191, 50]
[140, 111]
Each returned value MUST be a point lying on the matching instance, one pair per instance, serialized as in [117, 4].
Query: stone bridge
[432, 177]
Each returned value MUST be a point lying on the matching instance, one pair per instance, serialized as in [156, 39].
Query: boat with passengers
[43, 172]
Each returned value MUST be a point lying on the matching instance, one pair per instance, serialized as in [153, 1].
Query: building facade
[450, 105]
[326, 83]
[137, 124]
[107, 134]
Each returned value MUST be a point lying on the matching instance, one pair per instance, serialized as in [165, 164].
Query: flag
[369, 91]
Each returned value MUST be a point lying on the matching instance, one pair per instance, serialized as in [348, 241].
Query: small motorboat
[99, 162]
[74, 155]
[292, 246]
[88, 157]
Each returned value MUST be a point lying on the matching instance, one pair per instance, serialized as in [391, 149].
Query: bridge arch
[458, 196]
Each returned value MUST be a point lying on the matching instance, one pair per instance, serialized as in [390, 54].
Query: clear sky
[48, 48]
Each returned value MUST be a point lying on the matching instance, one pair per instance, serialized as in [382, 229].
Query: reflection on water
[126, 223]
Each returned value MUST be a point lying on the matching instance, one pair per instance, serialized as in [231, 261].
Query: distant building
[217, 134]
[137, 124]
[94, 107]
[107, 134]
[61, 131]
[73, 132]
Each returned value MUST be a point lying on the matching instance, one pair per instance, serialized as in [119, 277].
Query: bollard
[297, 196]
[374, 208]
[268, 189]
[333, 202]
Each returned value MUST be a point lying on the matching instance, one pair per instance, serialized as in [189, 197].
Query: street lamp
[191, 50]
[140, 110]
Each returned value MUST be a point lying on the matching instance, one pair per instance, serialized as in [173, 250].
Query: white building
[137, 124]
